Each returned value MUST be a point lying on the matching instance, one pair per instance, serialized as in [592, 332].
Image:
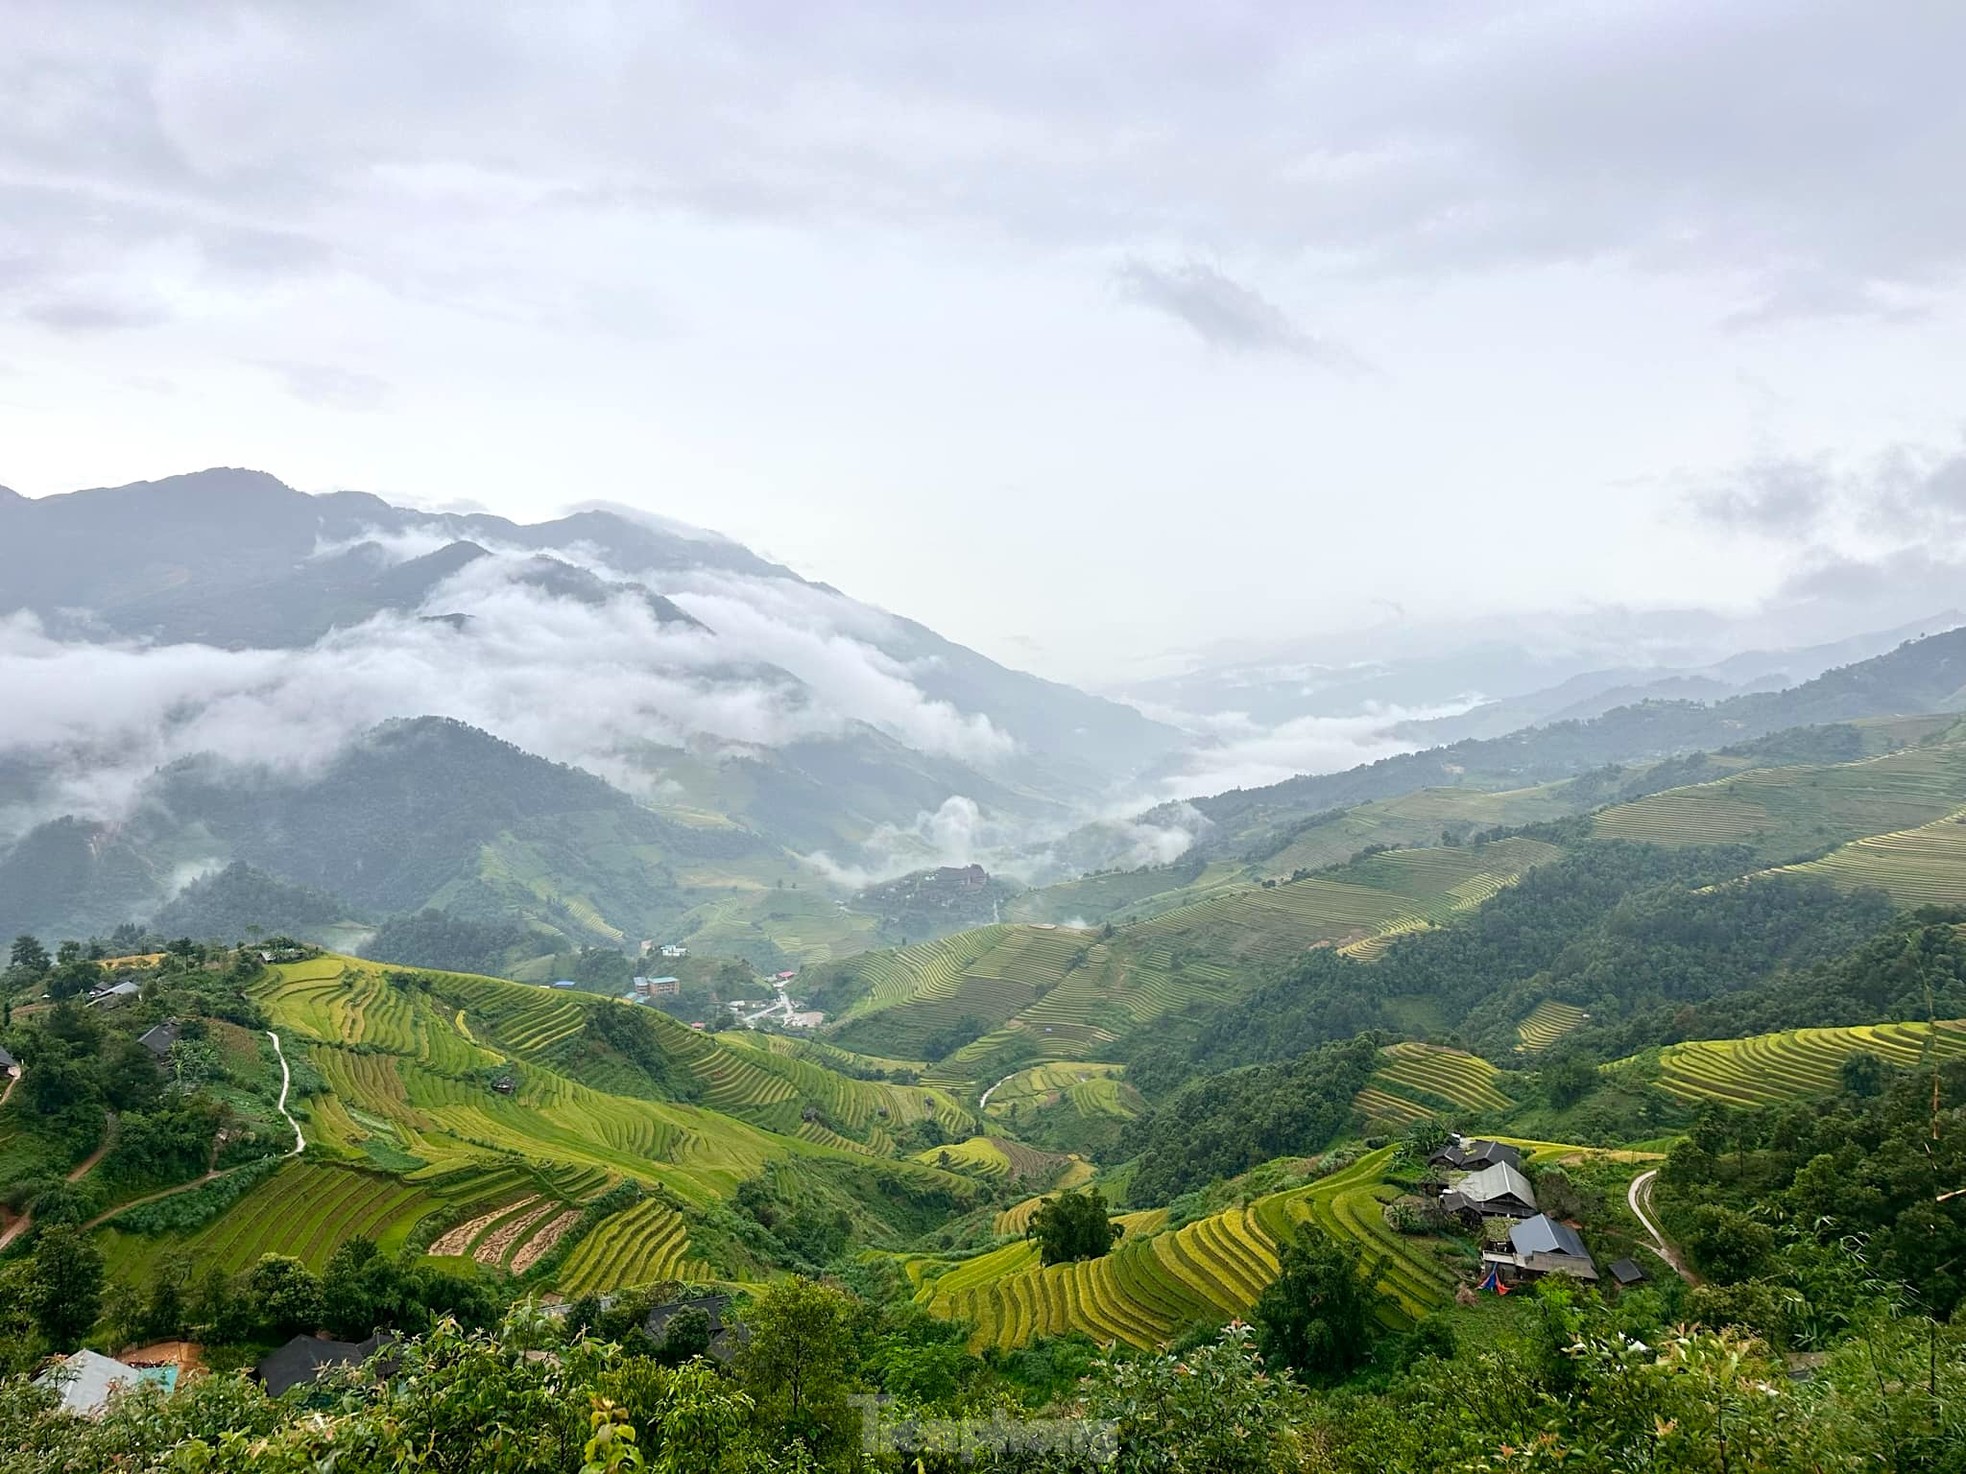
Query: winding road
[286, 1079]
[1640, 1198]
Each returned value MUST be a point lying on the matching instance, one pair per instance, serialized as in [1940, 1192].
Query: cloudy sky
[1080, 332]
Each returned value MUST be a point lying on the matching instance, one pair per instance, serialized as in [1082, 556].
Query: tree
[286, 1293]
[64, 1289]
[1863, 1073]
[1072, 1225]
[796, 1365]
[686, 1336]
[1316, 1315]
[29, 957]
[1569, 1080]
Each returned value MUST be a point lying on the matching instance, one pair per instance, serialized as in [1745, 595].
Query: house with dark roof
[8, 1064]
[159, 1038]
[307, 1358]
[1500, 1191]
[1539, 1246]
[1462, 1155]
[1626, 1272]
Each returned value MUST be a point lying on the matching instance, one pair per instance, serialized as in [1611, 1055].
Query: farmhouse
[8, 1064]
[1627, 1272]
[1540, 1246]
[306, 1358]
[159, 1038]
[1462, 1155]
[1500, 1191]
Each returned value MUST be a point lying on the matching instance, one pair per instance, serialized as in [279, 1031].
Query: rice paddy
[1156, 1282]
[1548, 1022]
[1797, 1064]
[636, 1246]
[1925, 866]
[1788, 811]
[1419, 1081]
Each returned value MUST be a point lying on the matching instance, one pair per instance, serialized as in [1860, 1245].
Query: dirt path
[286, 1079]
[81, 1170]
[1640, 1199]
[168, 1192]
[88, 1163]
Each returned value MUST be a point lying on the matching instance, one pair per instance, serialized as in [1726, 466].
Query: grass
[1047, 994]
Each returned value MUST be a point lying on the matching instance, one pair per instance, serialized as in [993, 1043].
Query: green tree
[64, 1290]
[285, 1294]
[1316, 1315]
[1072, 1225]
[1863, 1073]
[1214, 1411]
[687, 1335]
[798, 1361]
[29, 958]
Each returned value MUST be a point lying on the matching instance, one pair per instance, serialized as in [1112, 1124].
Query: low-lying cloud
[597, 685]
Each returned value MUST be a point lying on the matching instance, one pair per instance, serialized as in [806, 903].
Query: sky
[1084, 334]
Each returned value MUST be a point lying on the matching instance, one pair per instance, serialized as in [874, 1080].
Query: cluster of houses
[1483, 1183]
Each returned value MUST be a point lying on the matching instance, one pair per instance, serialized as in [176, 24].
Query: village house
[159, 1038]
[1500, 1191]
[115, 995]
[86, 1380]
[308, 1358]
[1462, 1155]
[1540, 1246]
[8, 1064]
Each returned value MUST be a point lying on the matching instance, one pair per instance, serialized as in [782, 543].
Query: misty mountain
[1594, 693]
[417, 813]
[1927, 675]
[225, 616]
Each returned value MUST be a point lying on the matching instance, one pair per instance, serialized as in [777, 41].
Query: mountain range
[612, 728]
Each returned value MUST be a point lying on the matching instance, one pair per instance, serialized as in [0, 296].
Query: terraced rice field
[997, 1158]
[1797, 1064]
[1415, 819]
[1156, 1283]
[1786, 811]
[304, 1210]
[636, 1246]
[1089, 1088]
[1548, 1022]
[1925, 866]
[1422, 1080]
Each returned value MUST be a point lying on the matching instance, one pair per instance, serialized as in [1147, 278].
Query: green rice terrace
[1420, 1081]
[1798, 1063]
[1783, 812]
[988, 1001]
[1548, 1022]
[1157, 1279]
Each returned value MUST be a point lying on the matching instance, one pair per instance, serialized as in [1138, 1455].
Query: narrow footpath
[286, 1079]
[1640, 1199]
